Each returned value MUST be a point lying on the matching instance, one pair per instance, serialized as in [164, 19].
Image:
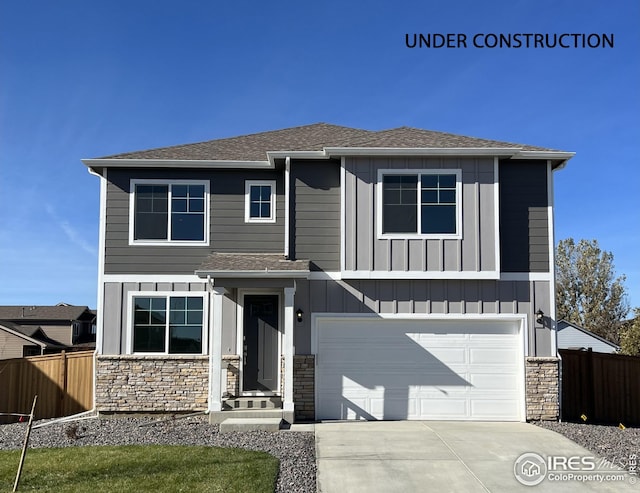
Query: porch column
[215, 350]
[288, 350]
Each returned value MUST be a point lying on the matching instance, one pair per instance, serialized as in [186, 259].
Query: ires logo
[531, 469]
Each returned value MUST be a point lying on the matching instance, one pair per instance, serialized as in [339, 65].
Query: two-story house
[35, 330]
[336, 272]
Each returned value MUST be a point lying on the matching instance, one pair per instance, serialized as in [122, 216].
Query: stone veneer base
[542, 388]
[156, 384]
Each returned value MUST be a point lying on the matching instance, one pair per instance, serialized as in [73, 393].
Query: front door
[261, 337]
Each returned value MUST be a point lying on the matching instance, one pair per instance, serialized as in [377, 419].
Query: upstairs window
[424, 203]
[168, 324]
[169, 212]
[260, 201]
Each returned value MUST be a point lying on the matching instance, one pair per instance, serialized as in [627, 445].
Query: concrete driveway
[415, 456]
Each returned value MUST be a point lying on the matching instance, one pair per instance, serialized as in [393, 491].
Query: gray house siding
[524, 225]
[426, 297]
[474, 252]
[315, 213]
[228, 230]
[116, 316]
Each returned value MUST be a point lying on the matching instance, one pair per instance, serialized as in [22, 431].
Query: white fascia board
[23, 336]
[403, 275]
[272, 155]
[259, 274]
[545, 155]
[421, 151]
[172, 163]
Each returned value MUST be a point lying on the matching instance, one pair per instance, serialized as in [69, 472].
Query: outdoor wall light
[299, 314]
[539, 316]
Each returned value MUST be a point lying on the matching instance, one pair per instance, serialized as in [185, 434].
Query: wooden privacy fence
[604, 388]
[63, 383]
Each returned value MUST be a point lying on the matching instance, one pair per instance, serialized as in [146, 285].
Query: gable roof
[33, 334]
[33, 313]
[319, 138]
[564, 324]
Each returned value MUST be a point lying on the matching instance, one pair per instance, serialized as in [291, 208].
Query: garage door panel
[494, 381]
[496, 409]
[493, 355]
[407, 369]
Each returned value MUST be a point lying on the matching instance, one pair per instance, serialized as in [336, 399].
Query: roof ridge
[243, 136]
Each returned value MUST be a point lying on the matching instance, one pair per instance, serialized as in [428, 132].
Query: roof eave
[99, 164]
[558, 158]
[24, 336]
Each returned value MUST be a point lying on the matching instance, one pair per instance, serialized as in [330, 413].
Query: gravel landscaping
[611, 442]
[296, 450]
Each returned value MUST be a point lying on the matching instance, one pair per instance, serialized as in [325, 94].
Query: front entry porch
[257, 291]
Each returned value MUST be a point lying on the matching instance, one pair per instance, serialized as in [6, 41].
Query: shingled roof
[58, 312]
[268, 264]
[316, 137]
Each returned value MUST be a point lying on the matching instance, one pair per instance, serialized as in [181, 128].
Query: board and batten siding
[524, 216]
[315, 213]
[474, 252]
[426, 297]
[228, 230]
[116, 315]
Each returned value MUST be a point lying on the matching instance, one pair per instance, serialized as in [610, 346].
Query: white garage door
[373, 368]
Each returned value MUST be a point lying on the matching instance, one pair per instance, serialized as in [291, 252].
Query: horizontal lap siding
[228, 230]
[315, 213]
[475, 252]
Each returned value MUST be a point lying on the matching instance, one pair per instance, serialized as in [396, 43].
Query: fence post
[591, 397]
[62, 379]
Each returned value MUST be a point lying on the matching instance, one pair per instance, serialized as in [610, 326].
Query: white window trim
[416, 171]
[132, 200]
[247, 201]
[167, 295]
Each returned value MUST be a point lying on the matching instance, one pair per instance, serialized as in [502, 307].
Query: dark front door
[260, 371]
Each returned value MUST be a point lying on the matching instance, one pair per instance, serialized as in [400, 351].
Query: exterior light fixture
[539, 316]
[299, 314]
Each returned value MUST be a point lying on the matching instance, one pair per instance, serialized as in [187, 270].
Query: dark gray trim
[524, 221]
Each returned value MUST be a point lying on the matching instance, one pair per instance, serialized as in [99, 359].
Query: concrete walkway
[416, 456]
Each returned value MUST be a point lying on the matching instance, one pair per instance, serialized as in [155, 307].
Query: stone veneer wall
[542, 384]
[232, 362]
[135, 383]
[304, 387]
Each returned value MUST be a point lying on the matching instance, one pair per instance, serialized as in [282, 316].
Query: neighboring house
[339, 273]
[56, 328]
[572, 336]
[19, 341]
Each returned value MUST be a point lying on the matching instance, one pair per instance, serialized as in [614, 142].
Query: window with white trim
[260, 201]
[169, 212]
[425, 203]
[168, 324]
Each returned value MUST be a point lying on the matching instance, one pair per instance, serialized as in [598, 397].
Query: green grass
[139, 469]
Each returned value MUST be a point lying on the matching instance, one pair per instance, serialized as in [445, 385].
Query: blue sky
[85, 79]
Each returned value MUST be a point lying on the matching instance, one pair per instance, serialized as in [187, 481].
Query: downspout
[287, 204]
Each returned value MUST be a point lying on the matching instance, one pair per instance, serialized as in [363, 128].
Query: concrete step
[250, 424]
[220, 416]
[253, 403]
